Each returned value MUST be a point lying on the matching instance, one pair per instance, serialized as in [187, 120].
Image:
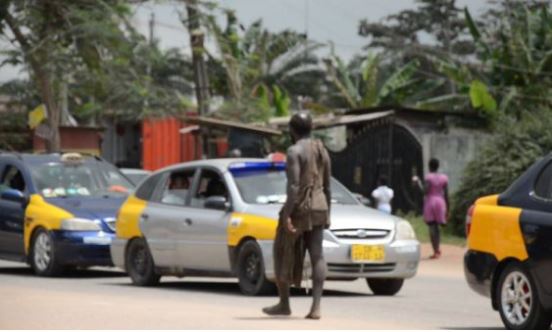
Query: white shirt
[383, 196]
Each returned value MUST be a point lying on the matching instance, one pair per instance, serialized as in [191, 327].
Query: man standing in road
[303, 217]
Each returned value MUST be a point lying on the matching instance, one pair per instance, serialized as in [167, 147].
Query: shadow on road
[472, 328]
[233, 288]
[265, 318]
[69, 274]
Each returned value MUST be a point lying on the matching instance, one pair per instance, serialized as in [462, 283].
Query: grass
[422, 231]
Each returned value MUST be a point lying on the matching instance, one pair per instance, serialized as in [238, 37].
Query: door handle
[188, 221]
[144, 217]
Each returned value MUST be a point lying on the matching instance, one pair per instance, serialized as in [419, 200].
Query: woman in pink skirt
[436, 201]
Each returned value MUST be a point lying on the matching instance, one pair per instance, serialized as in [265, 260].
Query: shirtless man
[303, 217]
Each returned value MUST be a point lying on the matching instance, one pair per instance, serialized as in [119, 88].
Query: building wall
[454, 148]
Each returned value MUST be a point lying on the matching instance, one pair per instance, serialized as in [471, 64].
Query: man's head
[382, 180]
[300, 125]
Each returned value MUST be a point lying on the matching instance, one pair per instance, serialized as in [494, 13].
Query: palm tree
[262, 68]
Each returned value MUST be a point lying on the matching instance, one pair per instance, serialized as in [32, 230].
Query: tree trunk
[53, 143]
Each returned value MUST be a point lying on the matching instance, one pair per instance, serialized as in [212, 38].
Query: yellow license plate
[367, 253]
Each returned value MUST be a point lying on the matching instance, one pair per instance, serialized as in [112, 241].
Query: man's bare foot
[314, 314]
[278, 310]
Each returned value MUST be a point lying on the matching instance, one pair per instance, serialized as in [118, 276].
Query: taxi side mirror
[14, 195]
[217, 203]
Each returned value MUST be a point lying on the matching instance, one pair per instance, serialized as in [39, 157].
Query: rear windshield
[269, 187]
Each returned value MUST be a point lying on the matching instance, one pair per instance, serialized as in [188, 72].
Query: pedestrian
[303, 217]
[383, 195]
[436, 201]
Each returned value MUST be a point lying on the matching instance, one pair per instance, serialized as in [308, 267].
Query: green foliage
[514, 148]
[481, 98]
[257, 59]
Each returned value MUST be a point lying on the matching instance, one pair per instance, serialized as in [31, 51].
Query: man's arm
[327, 184]
[293, 173]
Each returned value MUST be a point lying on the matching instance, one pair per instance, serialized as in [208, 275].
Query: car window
[12, 178]
[176, 187]
[146, 189]
[543, 185]
[210, 184]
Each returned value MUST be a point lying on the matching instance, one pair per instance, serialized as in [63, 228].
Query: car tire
[387, 287]
[43, 256]
[139, 264]
[251, 271]
[520, 308]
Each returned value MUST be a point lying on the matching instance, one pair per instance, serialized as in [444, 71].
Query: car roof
[134, 171]
[34, 158]
[221, 164]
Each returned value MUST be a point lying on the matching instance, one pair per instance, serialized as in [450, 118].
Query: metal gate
[382, 148]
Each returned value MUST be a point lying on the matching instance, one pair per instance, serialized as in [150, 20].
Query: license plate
[367, 253]
[97, 240]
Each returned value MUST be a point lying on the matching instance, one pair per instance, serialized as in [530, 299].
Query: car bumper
[118, 252]
[401, 260]
[478, 270]
[83, 248]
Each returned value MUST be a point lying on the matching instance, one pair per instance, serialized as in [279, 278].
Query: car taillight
[469, 219]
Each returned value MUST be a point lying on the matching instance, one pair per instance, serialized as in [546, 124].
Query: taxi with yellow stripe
[509, 257]
[218, 218]
[58, 210]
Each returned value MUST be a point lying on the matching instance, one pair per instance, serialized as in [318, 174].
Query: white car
[218, 218]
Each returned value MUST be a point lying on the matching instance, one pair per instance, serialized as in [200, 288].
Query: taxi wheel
[518, 300]
[139, 264]
[387, 287]
[43, 256]
[251, 272]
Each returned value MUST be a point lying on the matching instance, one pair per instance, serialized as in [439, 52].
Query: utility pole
[200, 70]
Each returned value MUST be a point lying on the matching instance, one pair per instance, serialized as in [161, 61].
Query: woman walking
[436, 202]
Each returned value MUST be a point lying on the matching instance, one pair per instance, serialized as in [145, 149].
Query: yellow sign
[367, 253]
[37, 115]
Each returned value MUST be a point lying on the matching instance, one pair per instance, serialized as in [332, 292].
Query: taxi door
[12, 213]
[163, 220]
[204, 242]
[536, 226]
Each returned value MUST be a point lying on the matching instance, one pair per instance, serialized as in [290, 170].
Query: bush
[516, 146]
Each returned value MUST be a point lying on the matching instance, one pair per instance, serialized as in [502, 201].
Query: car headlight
[79, 224]
[403, 231]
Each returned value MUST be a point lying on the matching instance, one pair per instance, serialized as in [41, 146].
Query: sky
[323, 20]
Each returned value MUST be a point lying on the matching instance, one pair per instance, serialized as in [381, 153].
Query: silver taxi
[218, 218]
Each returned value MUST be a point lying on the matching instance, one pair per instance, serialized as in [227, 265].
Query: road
[436, 298]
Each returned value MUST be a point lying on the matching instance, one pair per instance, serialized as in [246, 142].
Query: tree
[434, 28]
[261, 68]
[366, 82]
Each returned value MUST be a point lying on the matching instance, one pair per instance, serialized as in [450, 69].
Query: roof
[328, 121]
[224, 124]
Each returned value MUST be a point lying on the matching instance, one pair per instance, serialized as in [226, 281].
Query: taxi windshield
[89, 178]
[269, 187]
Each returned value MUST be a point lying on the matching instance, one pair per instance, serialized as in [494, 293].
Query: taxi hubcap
[42, 251]
[252, 267]
[516, 298]
[139, 260]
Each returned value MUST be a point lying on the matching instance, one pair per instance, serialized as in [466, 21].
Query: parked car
[58, 210]
[218, 218]
[135, 175]
[509, 257]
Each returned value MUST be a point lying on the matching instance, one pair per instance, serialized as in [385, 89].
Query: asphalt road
[437, 297]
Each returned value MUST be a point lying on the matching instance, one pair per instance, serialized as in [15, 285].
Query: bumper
[118, 252]
[479, 268]
[401, 260]
[83, 248]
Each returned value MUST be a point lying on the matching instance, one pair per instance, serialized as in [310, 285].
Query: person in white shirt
[383, 196]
